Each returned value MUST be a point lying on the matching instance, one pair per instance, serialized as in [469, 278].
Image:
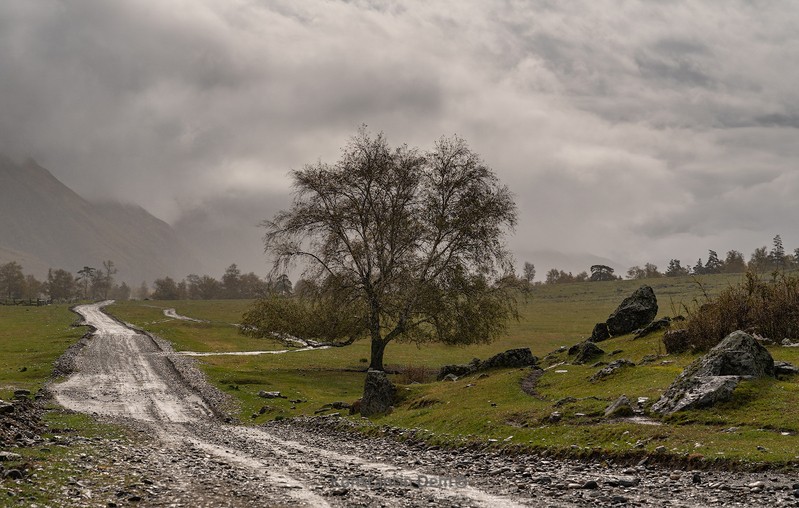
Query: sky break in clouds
[633, 131]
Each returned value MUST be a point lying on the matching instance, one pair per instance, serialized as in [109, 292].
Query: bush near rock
[713, 377]
[378, 394]
[677, 341]
[512, 358]
[636, 311]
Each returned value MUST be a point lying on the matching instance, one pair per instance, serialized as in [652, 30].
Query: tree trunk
[378, 347]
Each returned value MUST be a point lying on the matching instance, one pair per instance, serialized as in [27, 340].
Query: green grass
[31, 338]
[495, 407]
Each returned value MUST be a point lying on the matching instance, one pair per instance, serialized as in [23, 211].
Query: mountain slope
[43, 223]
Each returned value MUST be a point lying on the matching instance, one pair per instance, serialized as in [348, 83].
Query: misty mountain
[44, 224]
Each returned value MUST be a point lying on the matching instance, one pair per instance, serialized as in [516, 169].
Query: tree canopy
[410, 243]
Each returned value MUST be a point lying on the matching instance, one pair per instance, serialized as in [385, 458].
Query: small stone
[270, 395]
[6, 456]
[622, 481]
[591, 484]
[618, 500]
[340, 491]
[696, 477]
[620, 407]
[13, 474]
[555, 416]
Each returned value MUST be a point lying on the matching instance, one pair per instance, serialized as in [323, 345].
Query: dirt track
[190, 458]
[127, 376]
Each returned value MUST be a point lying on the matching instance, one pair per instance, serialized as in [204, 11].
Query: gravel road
[189, 457]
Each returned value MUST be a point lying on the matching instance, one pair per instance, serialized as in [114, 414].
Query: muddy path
[128, 377]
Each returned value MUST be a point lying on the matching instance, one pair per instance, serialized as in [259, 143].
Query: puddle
[250, 353]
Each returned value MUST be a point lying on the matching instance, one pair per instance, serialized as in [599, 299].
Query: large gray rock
[636, 311]
[378, 393]
[713, 377]
[697, 393]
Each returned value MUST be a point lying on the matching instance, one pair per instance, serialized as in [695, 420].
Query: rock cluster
[512, 358]
[713, 377]
[20, 423]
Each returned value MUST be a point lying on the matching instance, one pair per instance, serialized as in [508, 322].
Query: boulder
[600, 333]
[636, 311]
[520, 357]
[620, 407]
[713, 377]
[585, 352]
[458, 370]
[697, 393]
[378, 394]
[611, 369]
[653, 327]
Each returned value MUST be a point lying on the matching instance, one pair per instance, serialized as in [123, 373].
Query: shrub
[766, 307]
[416, 374]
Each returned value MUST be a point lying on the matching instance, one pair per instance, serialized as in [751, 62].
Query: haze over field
[631, 132]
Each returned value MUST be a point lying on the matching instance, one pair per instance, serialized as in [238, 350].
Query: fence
[27, 302]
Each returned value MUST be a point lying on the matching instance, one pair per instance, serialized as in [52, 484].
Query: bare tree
[411, 242]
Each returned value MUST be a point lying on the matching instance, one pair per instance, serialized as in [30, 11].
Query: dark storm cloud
[636, 131]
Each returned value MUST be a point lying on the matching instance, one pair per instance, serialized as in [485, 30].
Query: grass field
[762, 413]
[31, 339]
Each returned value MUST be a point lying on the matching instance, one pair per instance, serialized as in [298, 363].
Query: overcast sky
[634, 131]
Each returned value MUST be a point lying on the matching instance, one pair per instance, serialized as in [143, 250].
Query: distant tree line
[760, 261]
[61, 285]
[232, 285]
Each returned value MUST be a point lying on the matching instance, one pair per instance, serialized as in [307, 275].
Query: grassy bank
[758, 425]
